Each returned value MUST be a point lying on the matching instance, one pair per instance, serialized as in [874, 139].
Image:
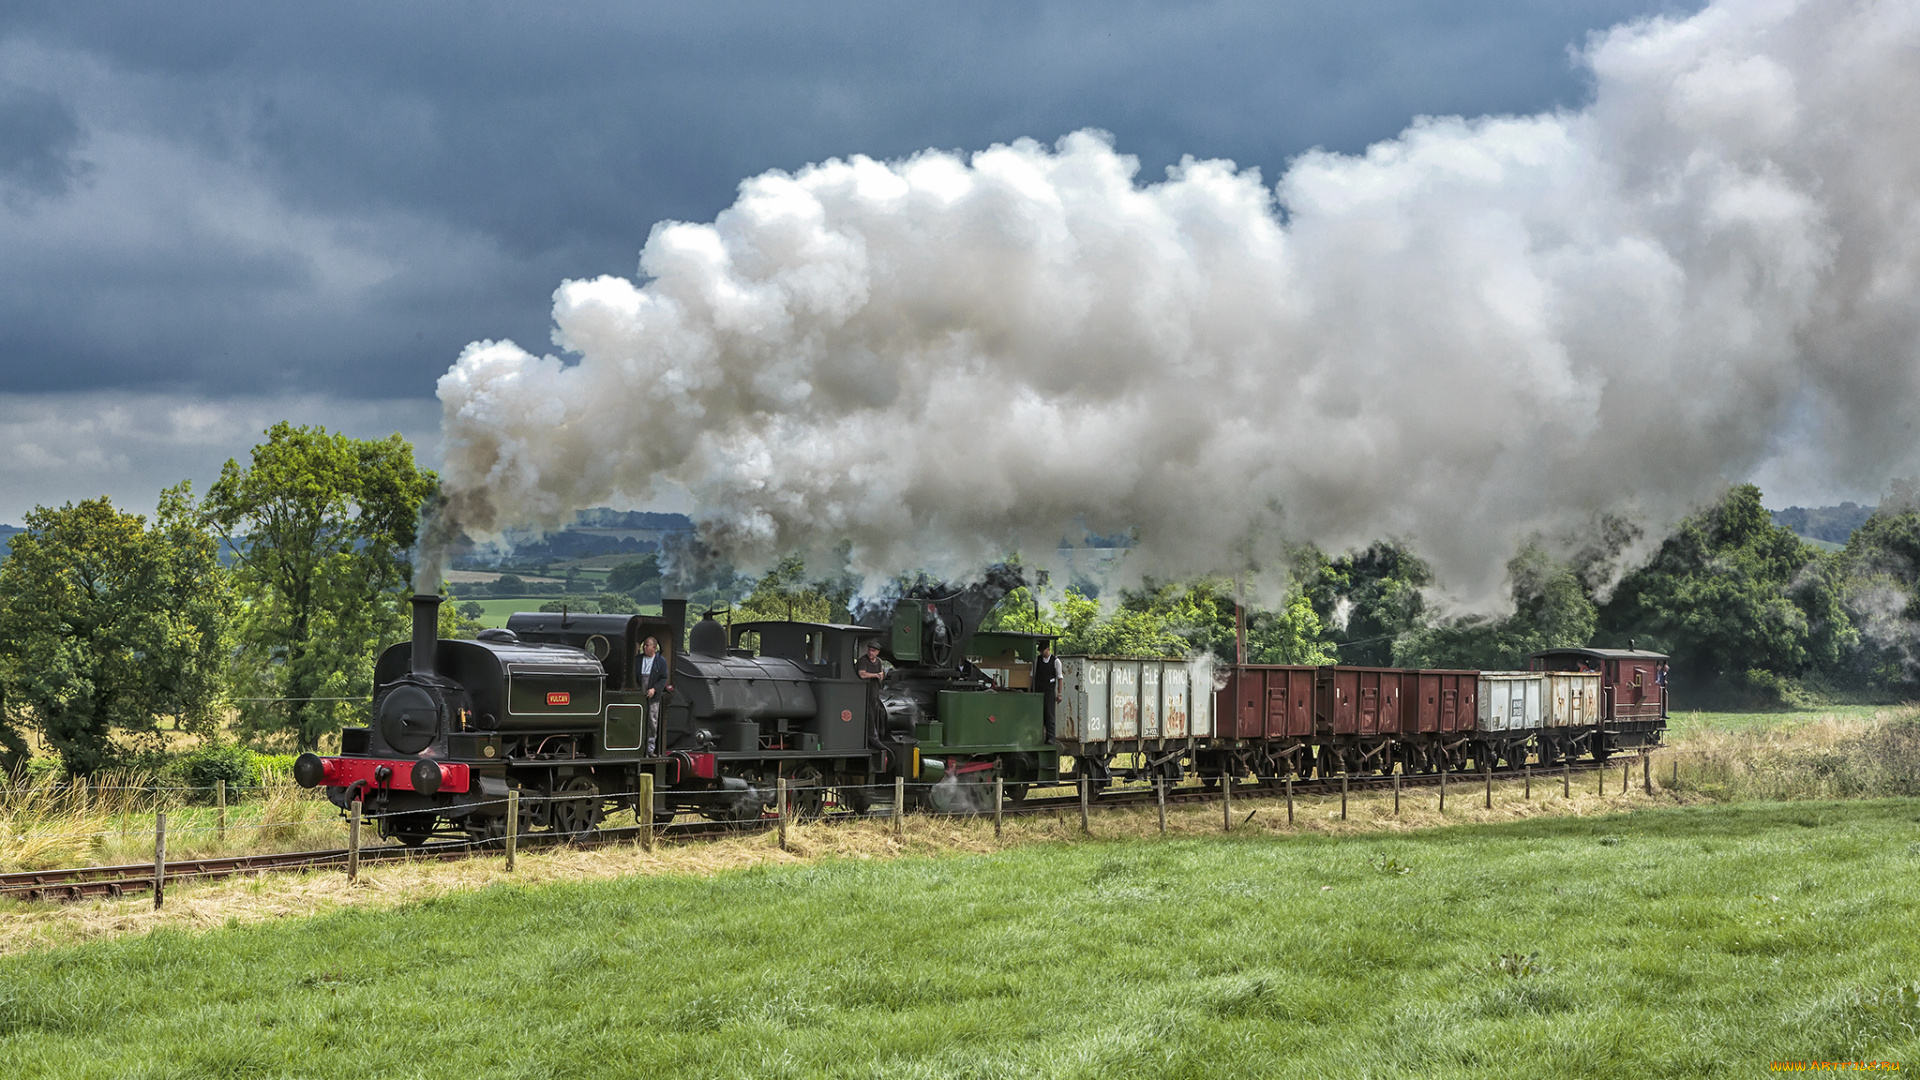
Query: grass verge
[1707, 941]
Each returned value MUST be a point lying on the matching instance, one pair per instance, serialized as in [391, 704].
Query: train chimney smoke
[426, 632]
[1478, 331]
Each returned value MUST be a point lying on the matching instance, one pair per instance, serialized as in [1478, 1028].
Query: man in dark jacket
[1047, 682]
[650, 674]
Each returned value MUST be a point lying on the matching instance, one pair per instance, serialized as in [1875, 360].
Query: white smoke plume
[1481, 330]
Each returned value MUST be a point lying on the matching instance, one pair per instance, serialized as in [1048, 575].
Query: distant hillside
[6, 539]
[598, 531]
[1830, 523]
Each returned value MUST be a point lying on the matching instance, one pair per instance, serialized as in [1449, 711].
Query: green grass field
[1706, 941]
[1684, 724]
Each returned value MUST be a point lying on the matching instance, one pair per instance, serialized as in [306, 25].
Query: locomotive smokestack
[426, 631]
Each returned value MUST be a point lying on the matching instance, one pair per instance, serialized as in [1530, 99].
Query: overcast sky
[214, 216]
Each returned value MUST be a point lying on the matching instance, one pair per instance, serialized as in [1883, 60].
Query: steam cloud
[1481, 330]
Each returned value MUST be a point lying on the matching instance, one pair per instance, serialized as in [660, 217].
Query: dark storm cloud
[38, 136]
[244, 198]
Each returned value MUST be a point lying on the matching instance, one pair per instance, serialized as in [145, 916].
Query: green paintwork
[995, 643]
[976, 721]
[905, 640]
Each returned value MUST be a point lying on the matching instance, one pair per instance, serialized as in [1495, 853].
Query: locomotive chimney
[674, 610]
[426, 632]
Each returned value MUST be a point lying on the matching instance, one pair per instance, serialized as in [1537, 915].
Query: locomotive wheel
[410, 829]
[854, 797]
[575, 809]
[487, 831]
[808, 791]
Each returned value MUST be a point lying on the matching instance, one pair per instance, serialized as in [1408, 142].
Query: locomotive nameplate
[537, 692]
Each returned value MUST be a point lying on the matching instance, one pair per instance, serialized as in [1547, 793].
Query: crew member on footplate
[650, 674]
[1047, 683]
[871, 672]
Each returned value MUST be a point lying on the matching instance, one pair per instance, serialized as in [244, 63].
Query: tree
[1369, 598]
[784, 592]
[1550, 610]
[1169, 619]
[109, 625]
[640, 579]
[324, 526]
[1719, 595]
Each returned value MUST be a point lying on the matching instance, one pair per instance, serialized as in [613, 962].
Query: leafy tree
[1369, 598]
[1293, 635]
[1863, 603]
[594, 603]
[509, 585]
[1169, 619]
[108, 625]
[784, 592]
[324, 525]
[1550, 610]
[629, 577]
[1720, 596]
[473, 609]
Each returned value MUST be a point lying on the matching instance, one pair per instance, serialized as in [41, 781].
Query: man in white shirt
[650, 674]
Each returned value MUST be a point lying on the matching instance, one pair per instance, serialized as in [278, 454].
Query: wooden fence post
[781, 793]
[646, 808]
[513, 827]
[220, 800]
[1289, 799]
[159, 858]
[1626, 775]
[353, 842]
[999, 801]
[1226, 794]
[1486, 770]
[899, 806]
[1566, 778]
[1343, 796]
[1646, 772]
[1526, 778]
[1160, 796]
[1396, 794]
[1084, 826]
[1443, 784]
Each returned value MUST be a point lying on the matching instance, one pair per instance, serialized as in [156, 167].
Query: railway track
[96, 882]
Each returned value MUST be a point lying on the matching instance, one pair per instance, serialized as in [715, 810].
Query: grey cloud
[39, 143]
[66, 447]
[409, 177]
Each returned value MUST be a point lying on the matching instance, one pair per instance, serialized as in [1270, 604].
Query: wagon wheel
[575, 809]
[410, 829]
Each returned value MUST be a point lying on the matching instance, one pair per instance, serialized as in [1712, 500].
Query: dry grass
[110, 820]
[1821, 756]
[204, 905]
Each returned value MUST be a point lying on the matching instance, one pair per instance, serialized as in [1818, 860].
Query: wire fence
[74, 824]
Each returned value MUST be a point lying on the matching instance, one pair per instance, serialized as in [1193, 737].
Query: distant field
[1683, 724]
[498, 610]
[1706, 941]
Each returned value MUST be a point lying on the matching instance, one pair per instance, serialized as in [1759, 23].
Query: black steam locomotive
[550, 708]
